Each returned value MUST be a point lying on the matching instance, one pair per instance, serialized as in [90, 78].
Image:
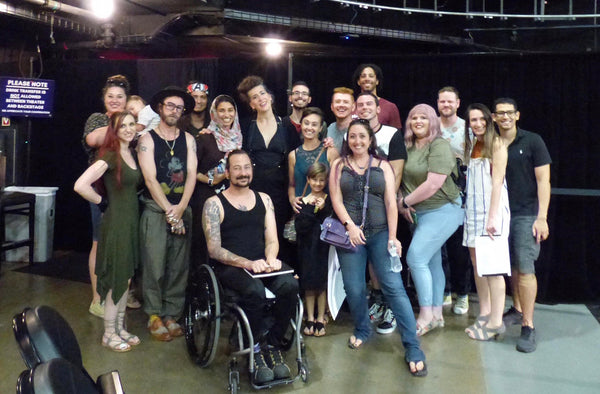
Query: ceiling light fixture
[273, 48]
[103, 9]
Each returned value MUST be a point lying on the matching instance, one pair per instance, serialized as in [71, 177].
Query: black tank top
[243, 232]
[171, 169]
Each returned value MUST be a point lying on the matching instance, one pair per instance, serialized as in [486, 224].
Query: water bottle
[395, 264]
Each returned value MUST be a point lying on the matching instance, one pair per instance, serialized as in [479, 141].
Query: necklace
[358, 165]
[171, 147]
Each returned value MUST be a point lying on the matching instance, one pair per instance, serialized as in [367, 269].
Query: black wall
[557, 95]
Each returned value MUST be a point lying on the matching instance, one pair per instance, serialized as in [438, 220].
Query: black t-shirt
[525, 153]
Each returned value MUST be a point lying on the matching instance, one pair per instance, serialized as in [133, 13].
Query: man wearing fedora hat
[167, 157]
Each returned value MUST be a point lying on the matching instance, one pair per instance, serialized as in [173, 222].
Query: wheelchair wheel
[203, 317]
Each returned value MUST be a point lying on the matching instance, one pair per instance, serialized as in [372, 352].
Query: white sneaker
[376, 312]
[462, 305]
[388, 324]
[447, 299]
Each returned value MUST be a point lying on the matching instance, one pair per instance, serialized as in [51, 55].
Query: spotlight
[273, 49]
[103, 8]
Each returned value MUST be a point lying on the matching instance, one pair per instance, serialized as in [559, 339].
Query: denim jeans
[353, 265]
[424, 255]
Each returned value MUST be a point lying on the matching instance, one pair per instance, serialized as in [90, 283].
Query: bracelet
[404, 204]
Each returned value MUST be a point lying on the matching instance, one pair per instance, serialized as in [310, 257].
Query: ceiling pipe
[57, 6]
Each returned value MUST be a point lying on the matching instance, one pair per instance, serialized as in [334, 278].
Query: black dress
[271, 174]
[312, 252]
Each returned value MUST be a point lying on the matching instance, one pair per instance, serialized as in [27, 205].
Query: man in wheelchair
[241, 234]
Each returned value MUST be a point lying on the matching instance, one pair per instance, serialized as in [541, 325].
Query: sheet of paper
[492, 256]
[335, 284]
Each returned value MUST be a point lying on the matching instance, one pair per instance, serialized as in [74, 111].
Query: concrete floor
[566, 361]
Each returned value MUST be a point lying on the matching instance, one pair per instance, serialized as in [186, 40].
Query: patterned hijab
[227, 140]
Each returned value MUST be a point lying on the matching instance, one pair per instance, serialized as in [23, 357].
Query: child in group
[146, 118]
[312, 252]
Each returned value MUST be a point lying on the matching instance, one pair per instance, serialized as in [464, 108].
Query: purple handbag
[333, 231]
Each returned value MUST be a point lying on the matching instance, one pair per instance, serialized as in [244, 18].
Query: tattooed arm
[212, 216]
[145, 151]
[271, 242]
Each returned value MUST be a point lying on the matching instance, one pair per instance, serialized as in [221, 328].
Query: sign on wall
[26, 97]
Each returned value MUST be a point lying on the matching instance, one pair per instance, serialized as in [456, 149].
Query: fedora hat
[171, 91]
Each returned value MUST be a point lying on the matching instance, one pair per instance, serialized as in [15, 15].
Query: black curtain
[557, 97]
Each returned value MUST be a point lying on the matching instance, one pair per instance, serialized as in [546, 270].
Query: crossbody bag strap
[366, 193]
[316, 160]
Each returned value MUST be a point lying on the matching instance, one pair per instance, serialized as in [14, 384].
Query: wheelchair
[207, 305]
[52, 355]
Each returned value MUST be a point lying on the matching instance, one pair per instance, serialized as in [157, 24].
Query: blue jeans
[424, 255]
[353, 265]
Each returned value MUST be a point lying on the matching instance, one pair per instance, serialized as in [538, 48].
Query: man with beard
[455, 256]
[390, 145]
[194, 121]
[299, 98]
[369, 78]
[167, 158]
[239, 226]
[342, 106]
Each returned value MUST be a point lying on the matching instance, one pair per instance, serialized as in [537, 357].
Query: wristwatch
[346, 223]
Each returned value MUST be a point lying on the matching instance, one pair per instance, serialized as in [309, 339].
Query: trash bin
[17, 226]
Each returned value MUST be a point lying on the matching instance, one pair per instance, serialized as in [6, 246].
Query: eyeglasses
[301, 94]
[173, 107]
[501, 114]
[200, 87]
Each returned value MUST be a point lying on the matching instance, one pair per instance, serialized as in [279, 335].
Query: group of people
[214, 190]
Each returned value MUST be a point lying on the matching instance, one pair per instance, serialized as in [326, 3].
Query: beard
[241, 181]
[170, 120]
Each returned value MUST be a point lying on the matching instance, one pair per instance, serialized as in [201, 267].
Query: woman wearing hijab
[212, 150]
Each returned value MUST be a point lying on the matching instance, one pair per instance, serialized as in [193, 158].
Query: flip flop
[309, 328]
[319, 329]
[354, 343]
[418, 373]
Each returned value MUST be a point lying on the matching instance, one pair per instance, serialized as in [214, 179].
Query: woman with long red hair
[118, 244]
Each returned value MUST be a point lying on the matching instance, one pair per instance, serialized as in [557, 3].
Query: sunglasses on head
[197, 87]
[116, 82]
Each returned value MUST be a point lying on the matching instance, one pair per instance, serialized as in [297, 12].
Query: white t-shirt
[148, 118]
[455, 135]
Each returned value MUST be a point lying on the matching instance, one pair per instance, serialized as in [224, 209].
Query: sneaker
[388, 324]
[132, 302]
[262, 373]
[447, 299]
[97, 309]
[376, 312]
[462, 305]
[526, 342]
[512, 317]
[276, 362]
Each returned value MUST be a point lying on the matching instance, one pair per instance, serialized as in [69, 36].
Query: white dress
[479, 194]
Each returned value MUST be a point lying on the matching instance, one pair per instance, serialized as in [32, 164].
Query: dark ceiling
[190, 28]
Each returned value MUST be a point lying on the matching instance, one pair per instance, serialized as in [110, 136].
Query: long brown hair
[488, 136]
[113, 144]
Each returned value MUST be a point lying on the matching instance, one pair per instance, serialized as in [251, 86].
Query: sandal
[174, 328]
[479, 322]
[484, 333]
[309, 328]
[420, 373]
[319, 329]
[115, 343]
[354, 343]
[128, 337]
